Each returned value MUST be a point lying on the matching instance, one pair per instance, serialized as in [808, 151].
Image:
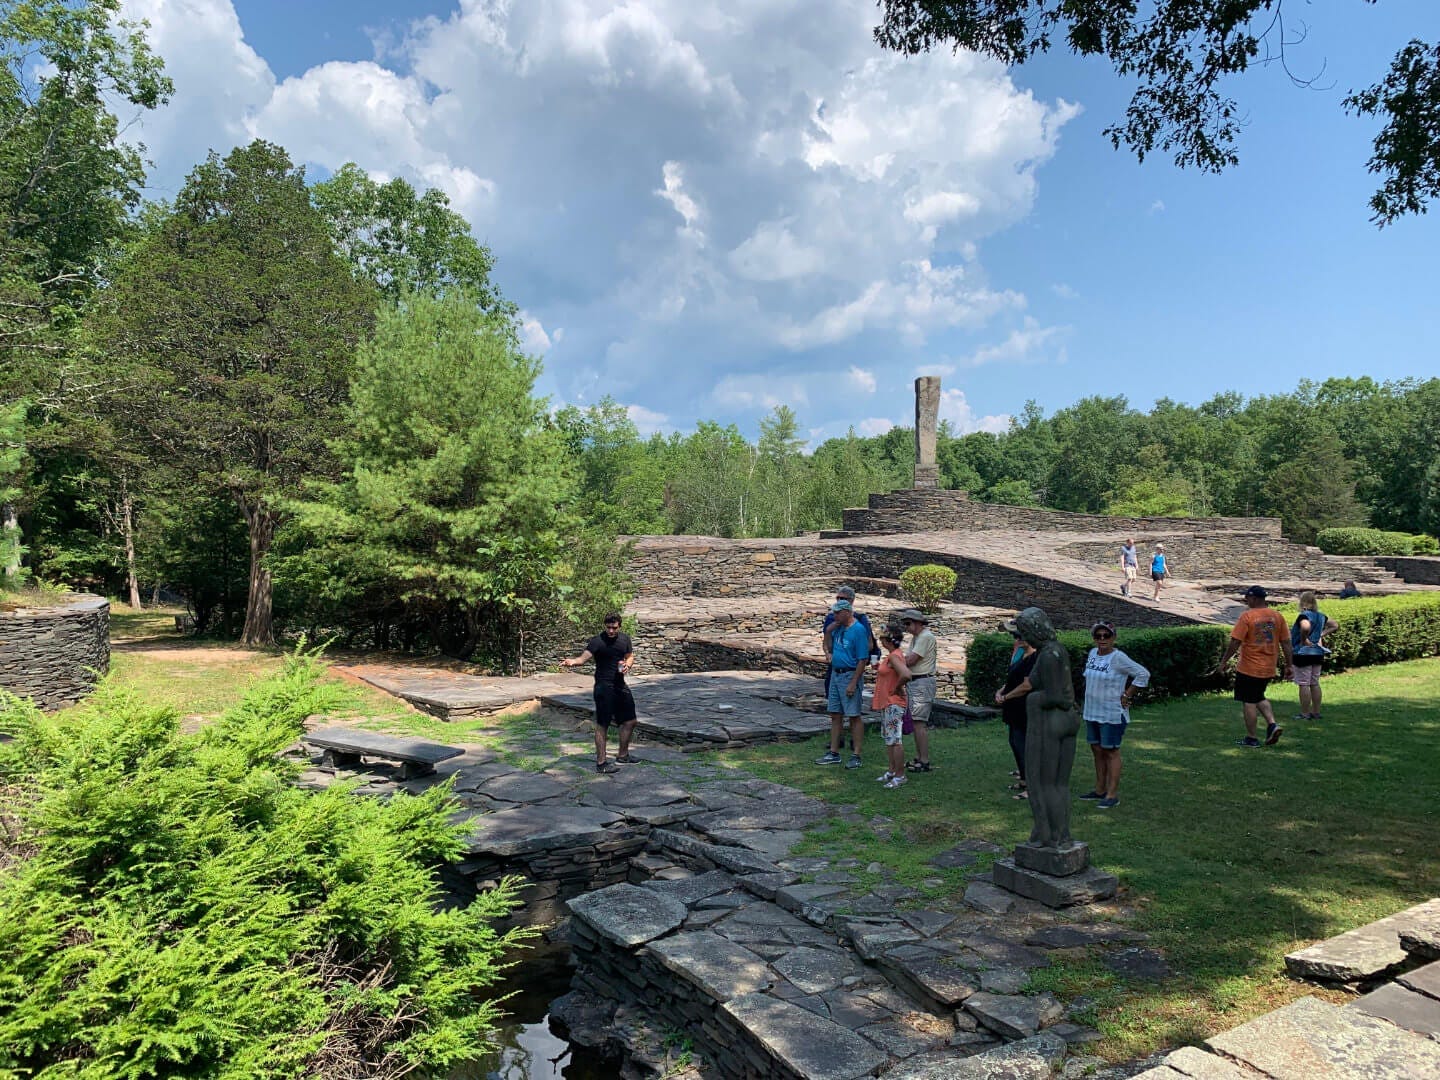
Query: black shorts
[1156, 577]
[614, 704]
[1250, 689]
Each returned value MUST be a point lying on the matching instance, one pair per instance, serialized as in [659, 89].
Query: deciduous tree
[1182, 52]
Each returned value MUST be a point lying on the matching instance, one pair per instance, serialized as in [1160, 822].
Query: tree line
[1334, 453]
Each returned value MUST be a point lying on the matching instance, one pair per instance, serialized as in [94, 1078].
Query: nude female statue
[1051, 724]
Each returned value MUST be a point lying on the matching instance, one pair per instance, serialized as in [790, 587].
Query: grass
[1230, 857]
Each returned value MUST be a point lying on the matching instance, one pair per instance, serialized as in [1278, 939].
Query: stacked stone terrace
[711, 603]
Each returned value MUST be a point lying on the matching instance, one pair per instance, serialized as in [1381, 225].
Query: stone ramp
[717, 709]
[451, 695]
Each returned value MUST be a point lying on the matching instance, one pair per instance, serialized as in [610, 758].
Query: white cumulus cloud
[957, 410]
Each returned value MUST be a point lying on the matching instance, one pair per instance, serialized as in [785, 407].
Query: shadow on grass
[1231, 857]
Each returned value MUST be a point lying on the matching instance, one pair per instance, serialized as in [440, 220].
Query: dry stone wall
[920, 511]
[54, 655]
[1412, 569]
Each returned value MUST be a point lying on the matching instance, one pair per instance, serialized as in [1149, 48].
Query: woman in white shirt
[1111, 679]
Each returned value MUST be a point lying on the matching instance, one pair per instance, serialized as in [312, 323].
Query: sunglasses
[1102, 636]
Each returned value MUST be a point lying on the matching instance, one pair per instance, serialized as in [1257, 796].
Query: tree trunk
[259, 599]
[10, 524]
[127, 529]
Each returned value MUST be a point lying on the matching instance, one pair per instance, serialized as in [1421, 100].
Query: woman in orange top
[889, 700]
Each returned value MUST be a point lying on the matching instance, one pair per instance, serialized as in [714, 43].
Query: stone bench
[344, 747]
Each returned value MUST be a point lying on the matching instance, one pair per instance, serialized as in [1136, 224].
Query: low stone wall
[1227, 558]
[552, 876]
[919, 510]
[54, 655]
[1412, 569]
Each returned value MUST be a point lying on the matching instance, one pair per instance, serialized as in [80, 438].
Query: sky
[706, 210]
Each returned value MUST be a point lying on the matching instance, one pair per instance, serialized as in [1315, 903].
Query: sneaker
[1092, 796]
[854, 762]
[1107, 804]
[885, 777]
[1247, 742]
[626, 759]
[607, 767]
[1273, 733]
[895, 781]
[830, 757]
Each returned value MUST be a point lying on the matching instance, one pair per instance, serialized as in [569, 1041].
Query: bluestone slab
[628, 915]
[524, 829]
[1363, 953]
[1425, 980]
[718, 967]
[1035, 1058]
[1403, 1007]
[1313, 1039]
[1085, 887]
[810, 1045]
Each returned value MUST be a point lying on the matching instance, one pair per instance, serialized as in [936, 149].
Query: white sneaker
[885, 778]
[895, 781]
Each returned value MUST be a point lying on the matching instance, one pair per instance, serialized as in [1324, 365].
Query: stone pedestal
[927, 422]
[1056, 876]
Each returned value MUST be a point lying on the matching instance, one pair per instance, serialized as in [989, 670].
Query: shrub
[1179, 658]
[927, 585]
[172, 905]
[1374, 542]
[1379, 629]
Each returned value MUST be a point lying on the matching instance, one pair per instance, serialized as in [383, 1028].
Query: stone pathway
[682, 888]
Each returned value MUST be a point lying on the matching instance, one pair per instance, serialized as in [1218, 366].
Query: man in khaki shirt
[920, 690]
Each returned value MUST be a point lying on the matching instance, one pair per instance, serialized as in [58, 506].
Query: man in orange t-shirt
[1260, 635]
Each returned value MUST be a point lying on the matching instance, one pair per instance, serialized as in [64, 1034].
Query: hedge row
[1375, 542]
[1368, 630]
[1178, 657]
[1379, 629]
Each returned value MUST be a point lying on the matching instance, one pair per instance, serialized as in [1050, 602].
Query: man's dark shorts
[614, 704]
[1250, 689]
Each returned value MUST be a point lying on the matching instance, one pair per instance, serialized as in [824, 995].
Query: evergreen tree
[232, 325]
[456, 511]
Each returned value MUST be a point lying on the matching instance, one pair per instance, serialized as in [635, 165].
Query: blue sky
[706, 210]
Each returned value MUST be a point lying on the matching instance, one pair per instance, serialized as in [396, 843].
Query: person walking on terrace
[920, 690]
[1129, 565]
[614, 655]
[849, 657]
[1260, 636]
[1159, 568]
[889, 701]
[1111, 679]
[1011, 699]
[1308, 651]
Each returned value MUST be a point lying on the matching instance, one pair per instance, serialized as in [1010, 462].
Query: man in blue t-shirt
[849, 657]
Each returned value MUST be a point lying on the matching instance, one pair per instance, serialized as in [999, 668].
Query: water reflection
[529, 1050]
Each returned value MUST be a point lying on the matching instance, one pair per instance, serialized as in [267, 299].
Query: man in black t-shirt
[613, 655]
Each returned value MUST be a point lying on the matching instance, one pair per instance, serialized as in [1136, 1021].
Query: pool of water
[529, 1050]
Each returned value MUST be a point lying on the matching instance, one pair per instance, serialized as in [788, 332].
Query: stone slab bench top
[438, 691]
[1312, 1038]
[1365, 952]
[358, 741]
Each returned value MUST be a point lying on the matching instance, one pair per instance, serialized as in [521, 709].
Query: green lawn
[1231, 857]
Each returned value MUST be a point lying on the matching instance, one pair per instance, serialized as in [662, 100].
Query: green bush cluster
[927, 585]
[1368, 630]
[1375, 542]
[172, 905]
[1179, 658]
[1379, 629]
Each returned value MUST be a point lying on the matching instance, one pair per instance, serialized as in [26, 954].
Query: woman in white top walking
[1111, 679]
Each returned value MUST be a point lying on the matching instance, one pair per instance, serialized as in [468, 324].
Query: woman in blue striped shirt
[1111, 679]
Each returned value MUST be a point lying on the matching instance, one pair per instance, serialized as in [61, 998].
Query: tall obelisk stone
[927, 420]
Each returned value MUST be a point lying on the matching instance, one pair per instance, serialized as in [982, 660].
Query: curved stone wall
[54, 654]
